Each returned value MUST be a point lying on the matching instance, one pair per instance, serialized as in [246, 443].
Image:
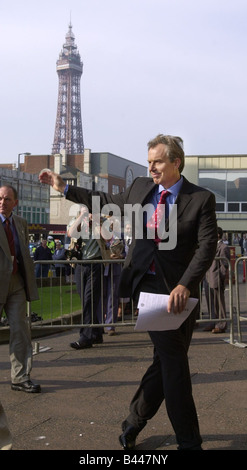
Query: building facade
[226, 177]
[97, 171]
[34, 198]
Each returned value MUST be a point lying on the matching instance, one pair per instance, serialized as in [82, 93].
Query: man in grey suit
[215, 286]
[160, 266]
[18, 285]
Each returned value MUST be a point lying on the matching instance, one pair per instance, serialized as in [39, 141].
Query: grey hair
[174, 146]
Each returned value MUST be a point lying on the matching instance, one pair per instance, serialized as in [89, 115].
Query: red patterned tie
[155, 220]
[11, 244]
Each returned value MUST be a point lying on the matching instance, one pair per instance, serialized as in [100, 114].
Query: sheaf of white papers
[153, 314]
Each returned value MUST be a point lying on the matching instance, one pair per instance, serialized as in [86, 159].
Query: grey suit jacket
[194, 252]
[26, 265]
[217, 272]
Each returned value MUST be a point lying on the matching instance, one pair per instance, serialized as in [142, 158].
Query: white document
[153, 314]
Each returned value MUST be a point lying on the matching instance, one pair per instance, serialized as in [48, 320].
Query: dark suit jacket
[194, 252]
[26, 264]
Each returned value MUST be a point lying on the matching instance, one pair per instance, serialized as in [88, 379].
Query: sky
[149, 66]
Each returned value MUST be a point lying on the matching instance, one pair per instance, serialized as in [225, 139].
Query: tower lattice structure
[68, 128]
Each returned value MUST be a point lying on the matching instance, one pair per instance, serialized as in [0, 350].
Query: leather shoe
[77, 345]
[27, 386]
[208, 328]
[218, 330]
[128, 438]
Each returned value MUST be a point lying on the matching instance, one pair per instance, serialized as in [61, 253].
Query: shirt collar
[174, 190]
[3, 218]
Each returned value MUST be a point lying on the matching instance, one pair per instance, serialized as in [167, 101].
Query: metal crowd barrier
[241, 299]
[60, 306]
[75, 316]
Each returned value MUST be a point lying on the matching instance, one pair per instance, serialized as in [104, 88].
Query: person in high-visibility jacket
[51, 244]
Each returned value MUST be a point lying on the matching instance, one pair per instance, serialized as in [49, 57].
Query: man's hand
[178, 299]
[47, 176]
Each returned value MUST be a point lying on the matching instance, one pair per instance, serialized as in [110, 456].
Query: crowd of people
[99, 283]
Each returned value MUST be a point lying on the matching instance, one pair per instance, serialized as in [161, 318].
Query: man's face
[162, 170]
[7, 201]
[128, 230]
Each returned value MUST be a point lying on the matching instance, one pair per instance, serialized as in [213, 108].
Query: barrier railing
[241, 298]
[60, 306]
[76, 311]
[66, 287]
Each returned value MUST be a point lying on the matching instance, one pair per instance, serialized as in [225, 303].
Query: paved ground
[86, 394]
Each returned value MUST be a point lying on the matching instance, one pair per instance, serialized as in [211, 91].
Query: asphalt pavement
[86, 393]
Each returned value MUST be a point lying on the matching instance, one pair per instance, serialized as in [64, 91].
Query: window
[220, 207]
[27, 212]
[115, 189]
[26, 191]
[229, 188]
[44, 217]
[233, 207]
[36, 193]
[215, 182]
[45, 195]
[236, 186]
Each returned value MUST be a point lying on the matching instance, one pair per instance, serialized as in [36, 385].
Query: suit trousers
[215, 298]
[20, 345]
[111, 297]
[88, 284]
[168, 378]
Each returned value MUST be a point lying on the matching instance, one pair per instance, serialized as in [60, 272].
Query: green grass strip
[56, 301]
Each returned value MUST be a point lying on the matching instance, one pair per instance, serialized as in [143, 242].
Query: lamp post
[18, 175]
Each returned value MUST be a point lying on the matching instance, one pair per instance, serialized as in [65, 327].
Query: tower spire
[68, 128]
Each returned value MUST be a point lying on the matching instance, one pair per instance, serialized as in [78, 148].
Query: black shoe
[77, 345]
[208, 328]
[27, 386]
[128, 438]
[98, 340]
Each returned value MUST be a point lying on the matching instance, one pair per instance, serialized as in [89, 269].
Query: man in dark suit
[176, 271]
[18, 285]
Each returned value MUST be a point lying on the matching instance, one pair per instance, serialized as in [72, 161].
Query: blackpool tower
[68, 129]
